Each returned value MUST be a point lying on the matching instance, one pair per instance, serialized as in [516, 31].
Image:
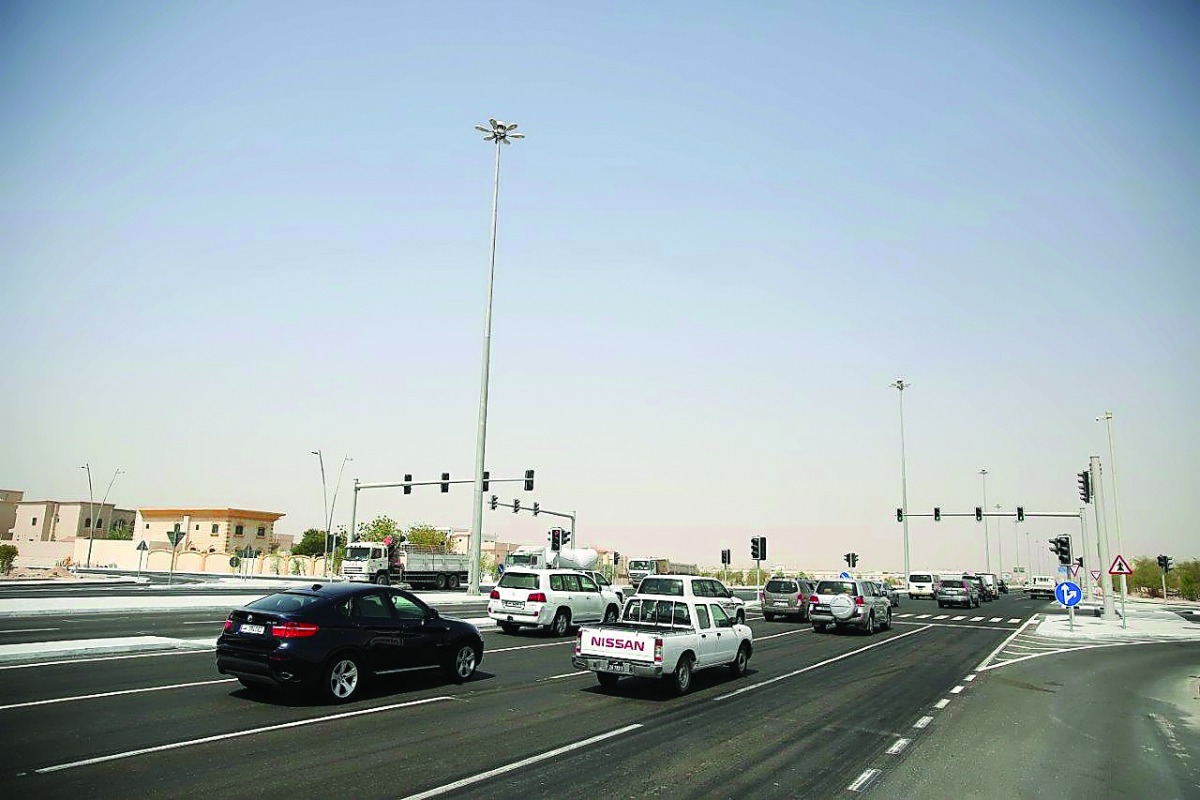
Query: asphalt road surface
[814, 712]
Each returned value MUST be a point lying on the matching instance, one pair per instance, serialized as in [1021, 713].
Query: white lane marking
[785, 633]
[945, 701]
[898, 747]
[971, 677]
[530, 646]
[942, 616]
[957, 689]
[811, 667]
[579, 673]
[902, 616]
[955, 625]
[862, 780]
[236, 734]
[1005, 662]
[923, 722]
[1015, 620]
[114, 694]
[959, 618]
[923, 616]
[525, 762]
[1004, 644]
[30, 630]
[996, 619]
[976, 619]
[110, 658]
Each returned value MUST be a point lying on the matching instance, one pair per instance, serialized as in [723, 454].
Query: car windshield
[781, 587]
[668, 586]
[358, 553]
[837, 587]
[519, 580]
[921, 578]
[284, 602]
[640, 565]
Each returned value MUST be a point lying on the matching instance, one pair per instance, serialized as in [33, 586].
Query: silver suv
[850, 603]
[786, 597]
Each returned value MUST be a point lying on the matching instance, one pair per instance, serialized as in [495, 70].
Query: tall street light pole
[999, 544]
[333, 505]
[500, 133]
[91, 511]
[1112, 465]
[325, 496]
[900, 386]
[116, 472]
[987, 544]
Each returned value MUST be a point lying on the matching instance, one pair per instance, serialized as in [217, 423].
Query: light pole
[1028, 556]
[999, 545]
[116, 472]
[1017, 551]
[900, 386]
[500, 133]
[987, 544]
[91, 511]
[333, 505]
[1112, 464]
[325, 495]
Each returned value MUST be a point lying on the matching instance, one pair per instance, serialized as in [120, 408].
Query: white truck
[1041, 586]
[668, 639]
[390, 562]
[641, 566]
[534, 556]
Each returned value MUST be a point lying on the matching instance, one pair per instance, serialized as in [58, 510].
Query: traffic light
[1079, 562]
[854, 559]
[762, 547]
[1164, 563]
[1085, 486]
[556, 539]
[849, 559]
[1020, 513]
[516, 505]
[566, 538]
[529, 480]
[726, 557]
[445, 482]
[408, 484]
[1061, 547]
[486, 482]
[536, 508]
[616, 558]
[754, 553]
[899, 515]
[979, 513]
[937, 514]
[495, 502]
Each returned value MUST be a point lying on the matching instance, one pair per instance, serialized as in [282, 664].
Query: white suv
[550, 599]
[922, 584]
[694, 586]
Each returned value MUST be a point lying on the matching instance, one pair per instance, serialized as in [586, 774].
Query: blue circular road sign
[1068, 593]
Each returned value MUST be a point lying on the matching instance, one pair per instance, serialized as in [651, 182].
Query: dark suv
[786, 597]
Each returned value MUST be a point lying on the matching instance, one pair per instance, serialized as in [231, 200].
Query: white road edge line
[206, 622]
[235, 734]
[1004, 644]
[785, 633]
[529, 646]
[1006, 662]
[923, 722]
[898, 747]
[862, 780]
[579, 673]
[525, 762]
[971, 677]
[957, 689]
[940, 704]
[811, 667]
[119, 693]
[30, 630]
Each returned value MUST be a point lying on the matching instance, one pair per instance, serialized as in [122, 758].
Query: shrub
[8, 554]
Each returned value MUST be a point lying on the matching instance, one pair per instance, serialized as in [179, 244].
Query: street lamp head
[983, 472]
[499, 133]
[900, 384]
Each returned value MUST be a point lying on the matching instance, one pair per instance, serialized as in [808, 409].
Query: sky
[232, 234]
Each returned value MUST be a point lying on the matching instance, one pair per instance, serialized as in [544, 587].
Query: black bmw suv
[330, 638]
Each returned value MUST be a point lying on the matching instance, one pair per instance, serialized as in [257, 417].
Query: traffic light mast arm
[435, 483]
[563, 514]
[998, 514]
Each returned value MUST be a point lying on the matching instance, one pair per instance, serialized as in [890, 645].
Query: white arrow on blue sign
[1067, 593]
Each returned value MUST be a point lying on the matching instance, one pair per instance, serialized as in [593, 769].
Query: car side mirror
[433, 614]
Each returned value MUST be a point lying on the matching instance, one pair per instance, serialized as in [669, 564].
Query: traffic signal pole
[1102, 540]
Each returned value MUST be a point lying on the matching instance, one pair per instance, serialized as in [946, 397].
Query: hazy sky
[231, 234]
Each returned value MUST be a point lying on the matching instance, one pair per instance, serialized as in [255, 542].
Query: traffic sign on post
[1068, 593]
[142, 545]
[1095, 574]
[1074, 570]
[1120, 566]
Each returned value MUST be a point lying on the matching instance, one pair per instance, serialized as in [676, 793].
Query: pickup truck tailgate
[617, 644]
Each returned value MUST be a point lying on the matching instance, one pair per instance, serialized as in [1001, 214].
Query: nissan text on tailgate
[664, 639]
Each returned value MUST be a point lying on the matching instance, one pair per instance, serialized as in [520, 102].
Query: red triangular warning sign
[1120, 566]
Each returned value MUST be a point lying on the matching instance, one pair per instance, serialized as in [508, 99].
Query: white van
[922, 584]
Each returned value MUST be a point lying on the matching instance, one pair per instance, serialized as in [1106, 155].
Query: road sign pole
[1124, 594]
[1164, 580]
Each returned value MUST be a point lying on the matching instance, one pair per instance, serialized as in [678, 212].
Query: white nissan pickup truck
[667, 639]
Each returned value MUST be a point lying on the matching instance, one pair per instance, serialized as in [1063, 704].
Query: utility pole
[1102, 538]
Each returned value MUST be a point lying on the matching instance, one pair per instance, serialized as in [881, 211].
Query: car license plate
[258, 629]
[617, 666]
[514, 603]
[780, 602]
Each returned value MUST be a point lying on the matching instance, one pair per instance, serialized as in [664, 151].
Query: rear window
[658, 612]
[921, 578]
[952, 584]
[519, 580]
[781, 587]
[284, 603]
[668, 586]
[837, 587]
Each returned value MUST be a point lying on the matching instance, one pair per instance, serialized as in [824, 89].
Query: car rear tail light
[658, 657]
[495, 595]
[814, 600]
[294, 630]
[229, 624]
[858, 601]
[537, 597]
[800, 598]
[579, 641]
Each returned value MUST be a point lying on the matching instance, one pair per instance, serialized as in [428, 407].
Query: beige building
[210, 530]
[8, 511]
[59, 521]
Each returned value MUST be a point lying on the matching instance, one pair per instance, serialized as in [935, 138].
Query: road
[815, 712]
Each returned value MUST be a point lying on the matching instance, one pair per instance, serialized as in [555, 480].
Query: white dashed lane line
[923, 722]
[940, 704]
[898, 747]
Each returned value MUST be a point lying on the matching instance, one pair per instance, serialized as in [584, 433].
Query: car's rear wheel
[740, 662]
[941, 604]
[562, 621]
[887, 621]
[462, 666]
[607, 679]
[680, 681]
[343, 678]
[870, 629]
